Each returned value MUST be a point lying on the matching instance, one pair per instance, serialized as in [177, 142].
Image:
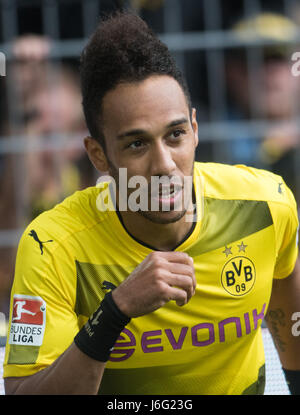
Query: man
[49, 97]
[268, 91]
[149, 301]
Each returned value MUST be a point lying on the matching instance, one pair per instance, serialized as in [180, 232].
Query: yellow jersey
[70, 256]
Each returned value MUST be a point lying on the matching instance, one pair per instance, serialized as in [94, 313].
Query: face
[276, 89]
[148, 130]
[279, 89]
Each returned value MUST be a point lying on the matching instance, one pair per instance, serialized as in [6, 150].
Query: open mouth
[168, 194]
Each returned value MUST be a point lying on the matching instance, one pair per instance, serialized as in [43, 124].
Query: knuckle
[159, 285]
[188, 271]
[189, 283]
[182, 255]
[182, 298]
[162, 292]
[158, 262]
[165, 296]
[152, 257]
[159, 274]
[155, 255]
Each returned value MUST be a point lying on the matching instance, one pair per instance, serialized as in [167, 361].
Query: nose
[162, 162]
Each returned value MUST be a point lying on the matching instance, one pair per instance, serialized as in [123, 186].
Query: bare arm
[72, 373]
[285, 301]
[167, 275]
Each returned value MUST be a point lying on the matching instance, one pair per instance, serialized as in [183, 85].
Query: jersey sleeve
[286, 226]
[42, 322]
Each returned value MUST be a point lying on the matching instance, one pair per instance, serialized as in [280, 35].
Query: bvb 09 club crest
[238, 276]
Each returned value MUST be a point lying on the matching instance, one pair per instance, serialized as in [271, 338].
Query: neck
[161, 237]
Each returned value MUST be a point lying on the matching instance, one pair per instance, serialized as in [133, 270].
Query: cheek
[133, 170]
[186, 154]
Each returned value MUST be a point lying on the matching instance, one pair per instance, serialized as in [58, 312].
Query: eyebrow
[138, 131]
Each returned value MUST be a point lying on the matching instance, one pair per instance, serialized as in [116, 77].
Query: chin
[162, 218]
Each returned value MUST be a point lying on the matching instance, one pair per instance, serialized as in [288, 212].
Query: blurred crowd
[45, 103]
[40, 107]
[264, 91]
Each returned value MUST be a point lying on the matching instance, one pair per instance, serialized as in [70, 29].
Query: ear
[96, 154]
[195, 126]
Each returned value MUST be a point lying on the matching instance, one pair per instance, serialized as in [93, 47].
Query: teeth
[167, 193]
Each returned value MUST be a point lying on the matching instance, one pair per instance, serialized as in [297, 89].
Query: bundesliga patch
[28, 321]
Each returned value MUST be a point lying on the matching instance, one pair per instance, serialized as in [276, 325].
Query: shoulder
[265, 191]
[241, 182]
[77, 213]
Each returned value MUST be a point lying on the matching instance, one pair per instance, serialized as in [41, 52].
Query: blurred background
[237, 56]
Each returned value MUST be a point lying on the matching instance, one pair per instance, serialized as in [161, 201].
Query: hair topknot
[122, 49]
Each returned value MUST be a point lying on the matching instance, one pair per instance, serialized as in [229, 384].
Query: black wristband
[293, 380]
[100, 333]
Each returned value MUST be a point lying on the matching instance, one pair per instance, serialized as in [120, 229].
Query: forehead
[146, 104]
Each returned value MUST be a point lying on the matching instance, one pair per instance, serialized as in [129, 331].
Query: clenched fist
[160, 278]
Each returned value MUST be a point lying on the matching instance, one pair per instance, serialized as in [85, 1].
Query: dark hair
[122, 49]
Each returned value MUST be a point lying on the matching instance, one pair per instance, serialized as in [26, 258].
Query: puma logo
[36, 238]
[106, 285]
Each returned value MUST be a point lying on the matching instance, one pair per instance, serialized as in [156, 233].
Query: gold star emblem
[242, 247]
[227, 251]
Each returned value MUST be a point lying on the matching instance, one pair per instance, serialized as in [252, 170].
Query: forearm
[72, 373]
[284, 303]
[80, 368]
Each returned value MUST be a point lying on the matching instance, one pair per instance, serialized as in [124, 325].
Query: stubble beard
[154, 217]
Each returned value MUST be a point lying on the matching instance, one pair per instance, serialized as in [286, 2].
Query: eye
[136, 144]
[175, 135]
